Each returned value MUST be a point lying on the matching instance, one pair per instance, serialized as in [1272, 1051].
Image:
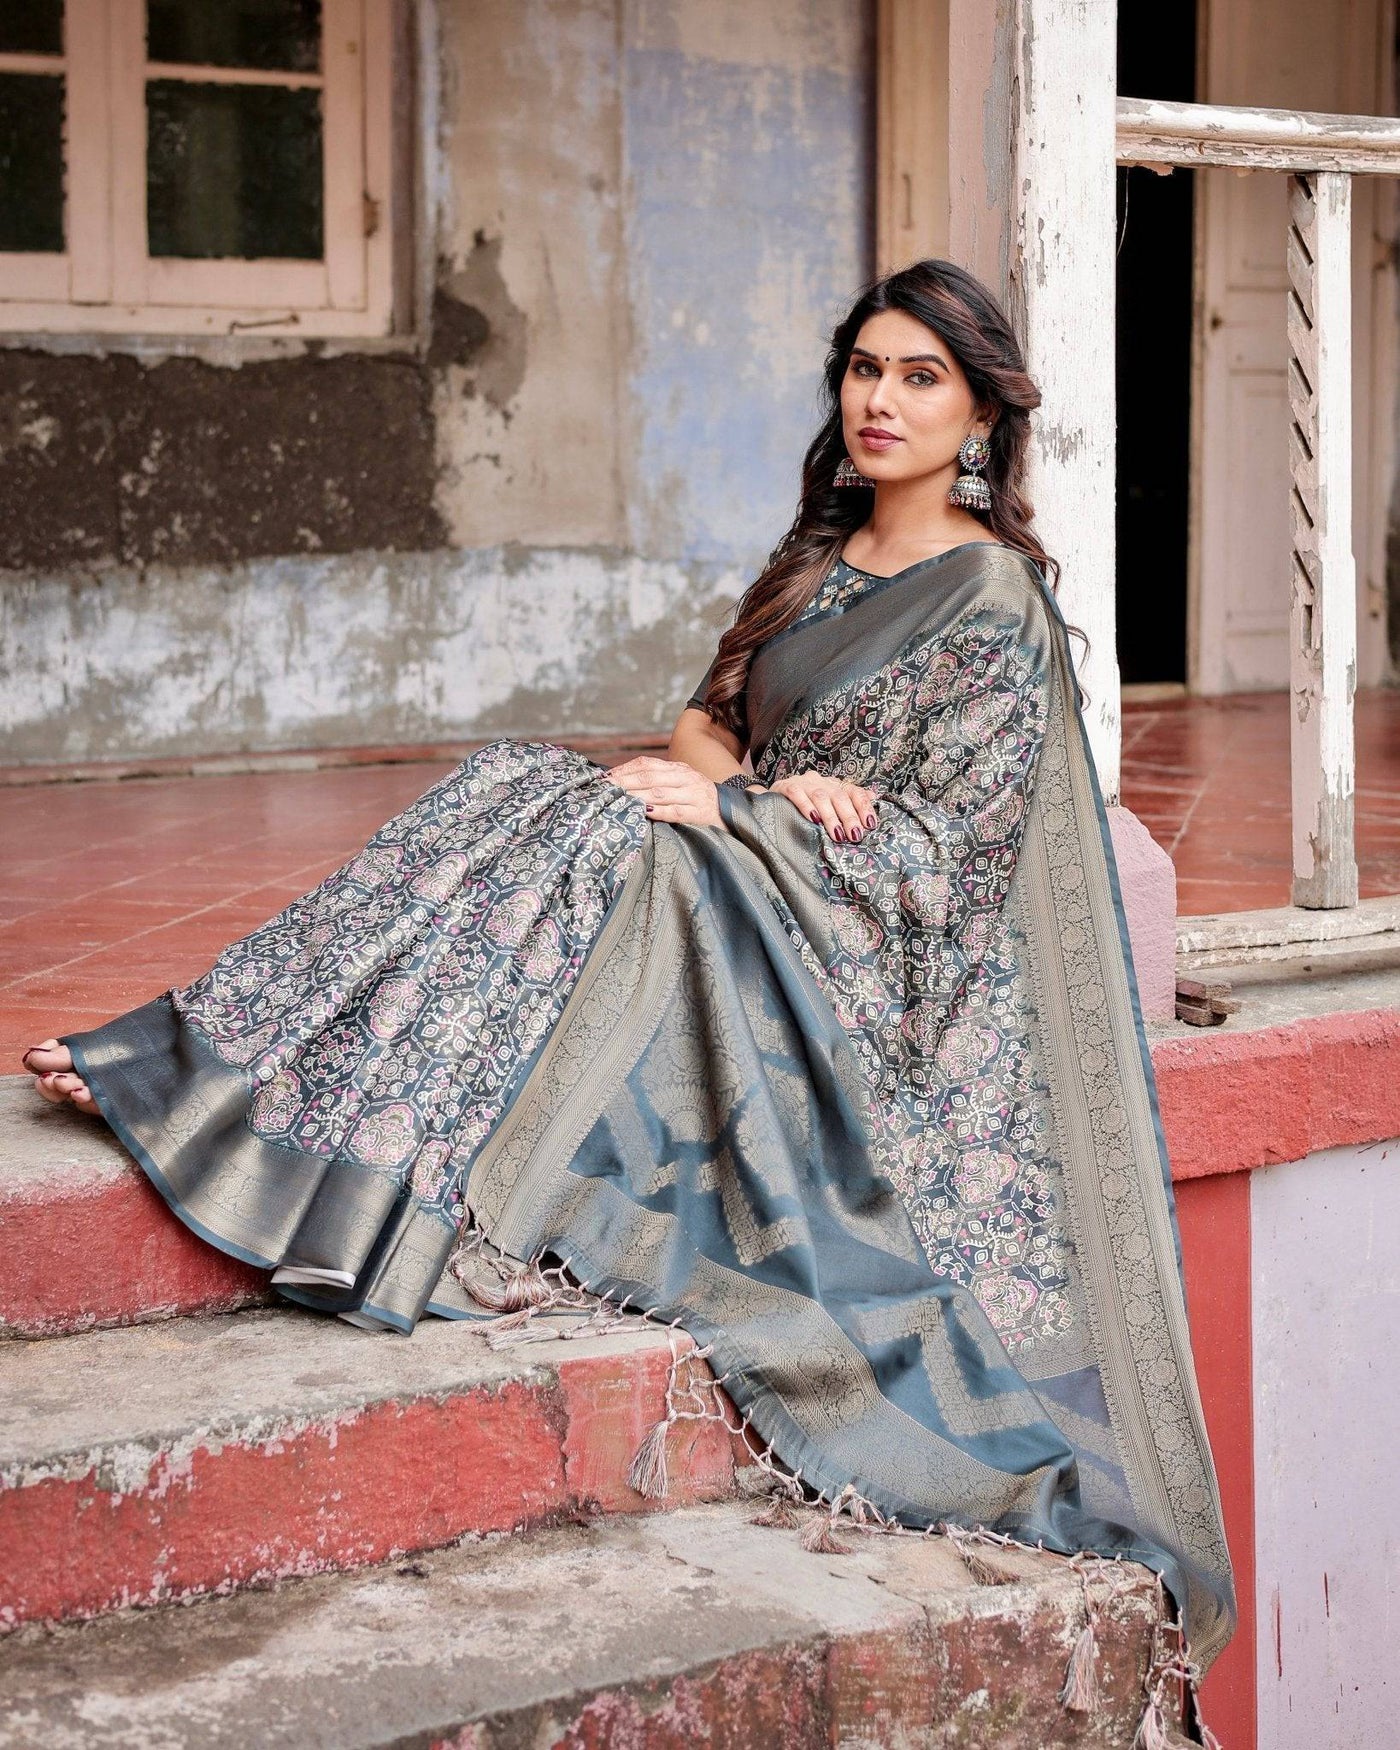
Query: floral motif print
[387, 1016]
[924, 975]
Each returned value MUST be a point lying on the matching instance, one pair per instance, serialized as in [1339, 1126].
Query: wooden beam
[912, 132]
[1323, 655]
[1154, 132]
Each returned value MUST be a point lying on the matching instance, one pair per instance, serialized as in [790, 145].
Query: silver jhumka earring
[849, 475]
[970, 491]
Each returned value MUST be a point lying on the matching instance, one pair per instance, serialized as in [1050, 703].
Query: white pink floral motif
[441, 881]
[982, 1174]
[386, 1137]
[275, 1103]
[963, 1049]
[509, 922]
[393, 1005]
[374, 865]
[429, 1175]
[1006, 1299]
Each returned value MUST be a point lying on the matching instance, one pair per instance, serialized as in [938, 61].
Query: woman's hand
[846, 810]
[671, 790]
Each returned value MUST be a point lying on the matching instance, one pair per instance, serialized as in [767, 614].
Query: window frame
[105, 282]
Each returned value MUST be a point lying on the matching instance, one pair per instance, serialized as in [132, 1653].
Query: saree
[874, 1121]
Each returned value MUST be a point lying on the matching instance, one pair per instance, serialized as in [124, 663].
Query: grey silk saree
[875, 1120]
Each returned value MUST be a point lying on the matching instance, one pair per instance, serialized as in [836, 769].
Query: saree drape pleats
[877, 1119]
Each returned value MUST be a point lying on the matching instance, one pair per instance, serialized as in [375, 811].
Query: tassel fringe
[1080, 1694]
[1171, 1668]
[820, 1537]
[981, 1571]
[648, 1474]
[1152, 1729]
[523, 1291]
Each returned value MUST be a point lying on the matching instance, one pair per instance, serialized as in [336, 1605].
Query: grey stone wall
[531, 517]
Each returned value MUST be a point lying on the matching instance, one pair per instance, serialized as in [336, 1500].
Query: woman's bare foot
[51, 1065]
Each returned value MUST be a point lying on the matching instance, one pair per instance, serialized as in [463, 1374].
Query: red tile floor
[1209, 779]
[113, 890]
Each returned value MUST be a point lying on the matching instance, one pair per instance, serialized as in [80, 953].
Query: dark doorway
[1156, 58]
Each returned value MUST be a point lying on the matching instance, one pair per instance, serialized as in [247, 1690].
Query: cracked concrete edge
[62, 1391]
[499, 1631]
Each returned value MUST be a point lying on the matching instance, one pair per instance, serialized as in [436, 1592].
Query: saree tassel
[516, 1327]
[522, 1328]
[1080, 1694]
[778, 1515]
[820, 1538]
[521, 1289]
[980, 1570]
[1152, 1728]
[647, 1473]
[607, 1316]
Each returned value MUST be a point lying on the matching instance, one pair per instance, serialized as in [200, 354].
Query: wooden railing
[1319, 154]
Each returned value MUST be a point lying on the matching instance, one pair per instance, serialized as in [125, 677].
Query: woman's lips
[878, 440]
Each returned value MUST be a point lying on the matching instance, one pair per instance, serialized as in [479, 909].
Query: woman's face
[905, 402]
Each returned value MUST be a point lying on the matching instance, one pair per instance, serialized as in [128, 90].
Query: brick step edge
[87, 1239]
[279, 1443]
[687, 1628]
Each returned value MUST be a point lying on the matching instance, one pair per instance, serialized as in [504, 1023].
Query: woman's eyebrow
[914, 358]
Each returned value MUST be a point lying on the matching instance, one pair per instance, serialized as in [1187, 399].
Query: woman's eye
[921, 379]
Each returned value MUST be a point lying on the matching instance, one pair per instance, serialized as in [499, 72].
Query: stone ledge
[690, 1627]
[163, 1461]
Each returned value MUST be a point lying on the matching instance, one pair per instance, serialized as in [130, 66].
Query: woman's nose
[881, 396]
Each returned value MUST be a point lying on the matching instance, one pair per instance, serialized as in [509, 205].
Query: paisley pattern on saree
[387, 1015]
[926, 975]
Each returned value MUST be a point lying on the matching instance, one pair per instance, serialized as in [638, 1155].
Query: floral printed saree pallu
[874, 1120]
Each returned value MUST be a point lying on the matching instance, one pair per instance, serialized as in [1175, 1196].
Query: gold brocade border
[1109, 1148]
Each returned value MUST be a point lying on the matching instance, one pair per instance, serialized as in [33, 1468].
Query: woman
[836, 1061]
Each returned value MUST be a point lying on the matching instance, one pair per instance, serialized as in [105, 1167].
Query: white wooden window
[196, 167]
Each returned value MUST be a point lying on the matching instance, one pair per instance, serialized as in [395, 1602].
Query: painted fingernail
[813, 815]
[870, 820]
[840, 834]
[648, 807]
[855, 835]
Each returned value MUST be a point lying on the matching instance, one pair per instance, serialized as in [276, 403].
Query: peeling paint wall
[531, 518]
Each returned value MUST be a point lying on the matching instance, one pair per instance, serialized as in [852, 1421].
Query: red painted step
[201, 1455]
[86, 1238]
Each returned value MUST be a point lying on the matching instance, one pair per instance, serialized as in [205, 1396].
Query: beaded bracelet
[738, 781]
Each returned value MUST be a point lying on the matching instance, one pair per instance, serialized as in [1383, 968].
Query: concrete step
[689, 1627]
[168, 1460]
[86, 1239]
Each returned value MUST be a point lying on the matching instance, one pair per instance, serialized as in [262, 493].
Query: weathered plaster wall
[112, 460]
[534, 517]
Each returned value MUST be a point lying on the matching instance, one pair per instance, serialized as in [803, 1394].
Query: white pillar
[1032, 119]
[1323, 659]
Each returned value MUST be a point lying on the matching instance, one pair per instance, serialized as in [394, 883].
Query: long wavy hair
[965, 315]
